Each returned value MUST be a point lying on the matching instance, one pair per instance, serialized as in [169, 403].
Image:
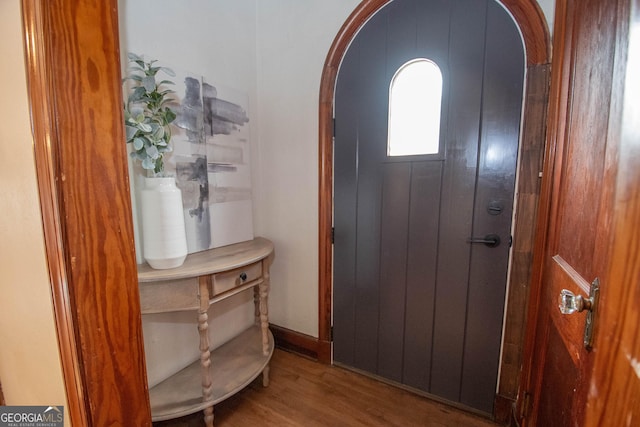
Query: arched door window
[415, 97]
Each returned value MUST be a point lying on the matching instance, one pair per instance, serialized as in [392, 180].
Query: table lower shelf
[233, 366]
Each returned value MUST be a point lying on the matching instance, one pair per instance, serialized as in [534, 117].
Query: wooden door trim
[614, 382]
[561, 77]
[529, 18]
[39, 87]
[607, 402]
[73, 73]
[557, 110]
[616, 375]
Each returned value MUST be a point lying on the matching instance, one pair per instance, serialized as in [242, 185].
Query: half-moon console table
[204, 279]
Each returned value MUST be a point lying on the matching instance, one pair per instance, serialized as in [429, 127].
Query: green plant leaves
[130, 132]
[134, 57]
[148, 163]
[138, 143]
[138, 94]
[149, 83]
[169, 115]
[152, 151]
[146, 113]
[168, 71]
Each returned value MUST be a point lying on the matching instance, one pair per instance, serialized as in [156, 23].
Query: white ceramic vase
[163, 233]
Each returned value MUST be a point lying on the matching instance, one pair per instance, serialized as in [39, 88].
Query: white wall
[30, 369]
[548, 7]
[294, 38]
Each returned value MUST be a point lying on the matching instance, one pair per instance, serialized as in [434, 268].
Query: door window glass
[415, 97]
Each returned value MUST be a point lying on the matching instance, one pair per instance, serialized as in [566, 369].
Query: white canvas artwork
[211, 161]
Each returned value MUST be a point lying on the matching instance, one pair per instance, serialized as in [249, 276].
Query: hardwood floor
[306, 393]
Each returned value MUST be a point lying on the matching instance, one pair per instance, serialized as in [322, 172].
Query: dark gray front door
[415, 301]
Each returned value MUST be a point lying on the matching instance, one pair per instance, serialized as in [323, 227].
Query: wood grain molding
[532, 24]
[557, 112]
[531, 157]
[42, 118]
[296, 342]
[72, 57]
[503, 409]
[616, 370]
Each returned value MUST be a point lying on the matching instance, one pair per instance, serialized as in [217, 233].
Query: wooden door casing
[575, 229]
[615, 380]
[73, 74]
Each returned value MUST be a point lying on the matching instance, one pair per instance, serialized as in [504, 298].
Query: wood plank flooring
[306, 393]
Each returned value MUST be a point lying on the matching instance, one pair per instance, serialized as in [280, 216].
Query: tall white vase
[163, 233]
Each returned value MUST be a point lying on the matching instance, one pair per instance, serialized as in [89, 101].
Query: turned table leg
[256, 303]
[264, 317]
[264, 321]
[265, 376]
[205, 353]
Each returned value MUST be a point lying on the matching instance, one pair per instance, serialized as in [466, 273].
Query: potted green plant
[147, 119]
[147, 114]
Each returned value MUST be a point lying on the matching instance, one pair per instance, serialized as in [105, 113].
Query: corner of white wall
[294, 39]
[30, 367]
[548, 8]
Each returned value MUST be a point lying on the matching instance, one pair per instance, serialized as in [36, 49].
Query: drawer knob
[243, 276]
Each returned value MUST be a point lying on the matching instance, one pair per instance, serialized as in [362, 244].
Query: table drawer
[173, 295]
[222, 282]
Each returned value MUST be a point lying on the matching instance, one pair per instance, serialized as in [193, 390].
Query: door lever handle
[490, 240]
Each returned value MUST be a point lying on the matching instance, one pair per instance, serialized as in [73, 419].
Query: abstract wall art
[211, 161]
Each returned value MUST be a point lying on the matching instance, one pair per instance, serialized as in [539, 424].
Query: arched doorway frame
[531, 22]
